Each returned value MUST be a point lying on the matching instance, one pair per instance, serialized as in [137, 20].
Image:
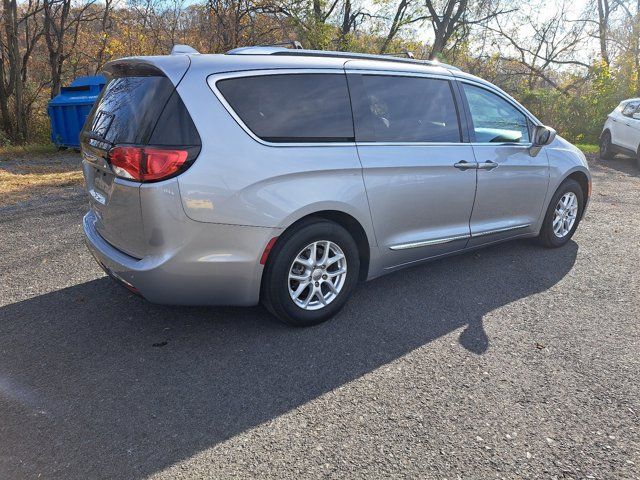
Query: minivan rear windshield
[129, 108]
[292, 107]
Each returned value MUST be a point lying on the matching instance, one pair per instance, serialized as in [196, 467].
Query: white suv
[621, 132]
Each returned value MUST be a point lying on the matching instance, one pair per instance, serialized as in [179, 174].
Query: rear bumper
[219, 265]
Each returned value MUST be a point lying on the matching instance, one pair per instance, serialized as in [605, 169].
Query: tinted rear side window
[175, 126]
[404, 109]
[292, 108]
[128, 109]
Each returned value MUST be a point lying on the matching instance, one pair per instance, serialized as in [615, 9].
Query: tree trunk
[603, 29]
[636, 39]
[55, 27]
[15, 86]
[395, 25]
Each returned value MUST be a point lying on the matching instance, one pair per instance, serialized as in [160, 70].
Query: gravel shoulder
[533, 373]
[28, 177]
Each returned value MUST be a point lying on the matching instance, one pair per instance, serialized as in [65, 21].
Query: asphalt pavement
[510, 362]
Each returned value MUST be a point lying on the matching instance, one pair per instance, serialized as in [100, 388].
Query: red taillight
[146, 163]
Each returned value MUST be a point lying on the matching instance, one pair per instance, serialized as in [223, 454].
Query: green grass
[13, 151]
[588, 147]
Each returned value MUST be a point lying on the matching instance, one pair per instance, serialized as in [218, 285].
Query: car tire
[638, 157]
[320, 281]
[606, 151]
[562, 219]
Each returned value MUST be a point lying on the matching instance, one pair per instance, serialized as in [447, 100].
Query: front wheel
[563, 215]
[310, 274]
[606, 151]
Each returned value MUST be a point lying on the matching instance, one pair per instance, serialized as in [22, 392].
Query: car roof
[277, 57]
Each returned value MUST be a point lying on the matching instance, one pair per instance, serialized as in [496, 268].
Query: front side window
[495, 119]
[292, 107]
[404, 109]
[630, 108]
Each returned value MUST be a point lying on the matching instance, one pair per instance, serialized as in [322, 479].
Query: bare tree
[106, 26]
[61, 27]
[352, 16]
[234, 23]
[405, 14]
[20, 33]
[627, 37]
[604, 13]
[455, 18]
[539, 45]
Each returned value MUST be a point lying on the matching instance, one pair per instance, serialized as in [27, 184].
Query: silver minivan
[285, 176]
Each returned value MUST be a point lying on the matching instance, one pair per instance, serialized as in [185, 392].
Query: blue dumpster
[68, 110]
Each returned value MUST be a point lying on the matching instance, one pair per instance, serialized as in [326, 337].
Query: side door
[512, 185]
[627, 126]
[617, 125]
[419, 173]
[635, 131]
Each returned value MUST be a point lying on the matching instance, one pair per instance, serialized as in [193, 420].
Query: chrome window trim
[440, 241]
[411, 144]
[399, 73]
[524, 146]
[214, 78]
[443, 144]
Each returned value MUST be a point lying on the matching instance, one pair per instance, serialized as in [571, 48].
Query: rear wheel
[638, 157]
[606, 152]
[563, 215]
[311, 272]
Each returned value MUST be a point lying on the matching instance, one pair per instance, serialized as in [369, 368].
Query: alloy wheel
[317, 275]
[565, 214]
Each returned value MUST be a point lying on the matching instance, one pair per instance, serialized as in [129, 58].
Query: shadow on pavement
[97, 383]
[621, 163]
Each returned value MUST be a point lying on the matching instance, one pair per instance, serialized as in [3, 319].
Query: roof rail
[361, 56]
[296, 45]
[405, 53]
[279, 50]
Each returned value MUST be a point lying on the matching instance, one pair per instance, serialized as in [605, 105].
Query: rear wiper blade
[95, 136]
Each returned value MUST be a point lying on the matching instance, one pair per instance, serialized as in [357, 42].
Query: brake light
[146, 163]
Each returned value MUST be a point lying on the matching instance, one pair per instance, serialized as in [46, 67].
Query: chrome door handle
[488, 165]
[464, 165]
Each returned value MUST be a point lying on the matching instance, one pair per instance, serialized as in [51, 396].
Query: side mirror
[636, 115]
[541, 136]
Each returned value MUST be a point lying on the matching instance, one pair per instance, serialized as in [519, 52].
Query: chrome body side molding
[439, 241]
